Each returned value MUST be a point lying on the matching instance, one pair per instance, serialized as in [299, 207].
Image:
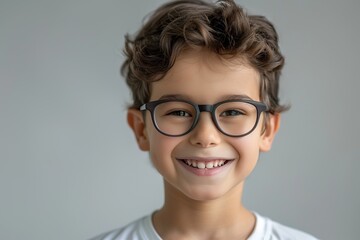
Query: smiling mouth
[205, 164]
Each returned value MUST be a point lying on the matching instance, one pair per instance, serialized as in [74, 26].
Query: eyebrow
[186, 98]
[174, 97]
[237, 97]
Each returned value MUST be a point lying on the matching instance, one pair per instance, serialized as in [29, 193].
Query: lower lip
[205, 171]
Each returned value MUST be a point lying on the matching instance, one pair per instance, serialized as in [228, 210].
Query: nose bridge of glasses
[206, 108]
[209, 109]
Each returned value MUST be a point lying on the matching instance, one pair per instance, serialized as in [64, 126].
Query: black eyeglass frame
[150, 106]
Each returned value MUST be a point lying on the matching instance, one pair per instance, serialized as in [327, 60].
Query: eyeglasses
[234, 118]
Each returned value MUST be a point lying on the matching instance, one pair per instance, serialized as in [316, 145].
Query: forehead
[206, 77]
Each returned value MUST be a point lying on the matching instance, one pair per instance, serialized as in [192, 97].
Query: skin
[204, 207]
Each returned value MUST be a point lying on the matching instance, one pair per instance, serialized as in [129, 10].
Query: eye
[232, 113]
[179, 113]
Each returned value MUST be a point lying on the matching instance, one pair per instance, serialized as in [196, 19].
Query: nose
[205, 134]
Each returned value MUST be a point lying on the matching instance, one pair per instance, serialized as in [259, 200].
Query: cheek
[248, 145]
[251, 153]
[248, 150]
[161, 148]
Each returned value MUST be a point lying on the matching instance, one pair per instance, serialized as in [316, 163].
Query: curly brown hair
[222, 27]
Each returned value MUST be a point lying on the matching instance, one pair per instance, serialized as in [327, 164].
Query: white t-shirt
[265, 229]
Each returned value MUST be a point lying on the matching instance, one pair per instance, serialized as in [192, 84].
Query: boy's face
[203, 78]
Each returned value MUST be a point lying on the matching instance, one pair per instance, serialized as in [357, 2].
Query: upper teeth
[203, 164]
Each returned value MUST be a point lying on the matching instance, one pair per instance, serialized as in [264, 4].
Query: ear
[136, 122]
[271, 127]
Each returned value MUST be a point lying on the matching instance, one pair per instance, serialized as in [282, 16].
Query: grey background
[69, 165]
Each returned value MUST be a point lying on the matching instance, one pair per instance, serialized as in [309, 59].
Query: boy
[204, 78]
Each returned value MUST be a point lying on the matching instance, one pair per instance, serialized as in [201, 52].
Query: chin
[203, 195]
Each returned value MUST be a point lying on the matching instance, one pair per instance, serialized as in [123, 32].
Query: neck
[222, 217]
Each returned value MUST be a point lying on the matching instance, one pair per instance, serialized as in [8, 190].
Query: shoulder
[141, 229]
[268, 229]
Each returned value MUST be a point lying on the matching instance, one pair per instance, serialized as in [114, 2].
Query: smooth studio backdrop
[69, 165]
